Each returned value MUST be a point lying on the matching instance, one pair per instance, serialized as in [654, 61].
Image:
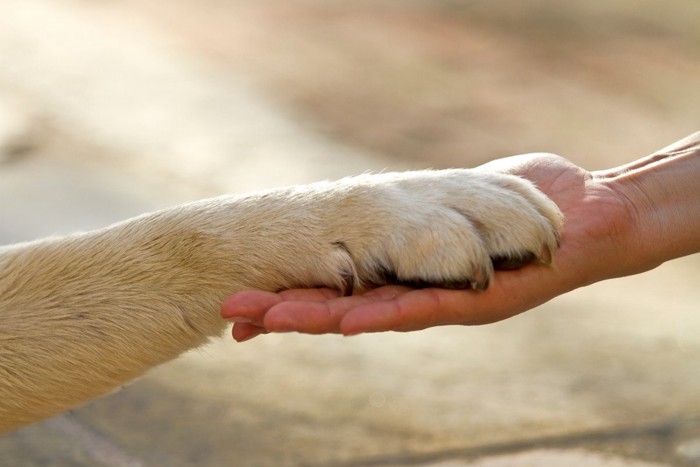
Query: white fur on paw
[445, 228]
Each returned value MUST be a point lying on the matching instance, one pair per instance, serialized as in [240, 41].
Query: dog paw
[447, 228]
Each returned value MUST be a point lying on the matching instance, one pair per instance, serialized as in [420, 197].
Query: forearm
[664, 192]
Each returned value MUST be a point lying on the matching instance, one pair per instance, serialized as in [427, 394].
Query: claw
[480, 281]
[348, 283]
[545, 256]
[347, 272]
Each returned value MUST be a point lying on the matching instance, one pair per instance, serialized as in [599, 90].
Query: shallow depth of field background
[453, 83]
[110, 109]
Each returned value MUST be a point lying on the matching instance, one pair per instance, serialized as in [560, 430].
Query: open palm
[597, 218]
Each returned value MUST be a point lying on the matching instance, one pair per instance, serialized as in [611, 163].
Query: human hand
[595, 237]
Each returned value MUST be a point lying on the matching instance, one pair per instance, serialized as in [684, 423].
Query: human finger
[410, 311]
[511, 293]
[249, 306]
[242, 332]
[321, 316]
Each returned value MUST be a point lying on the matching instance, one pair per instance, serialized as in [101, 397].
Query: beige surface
[604, 374]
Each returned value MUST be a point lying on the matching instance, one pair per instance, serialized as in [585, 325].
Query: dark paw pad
[478, 283]
[505, 263]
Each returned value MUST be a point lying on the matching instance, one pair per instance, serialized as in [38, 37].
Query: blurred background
[450, 83]
[109, 109]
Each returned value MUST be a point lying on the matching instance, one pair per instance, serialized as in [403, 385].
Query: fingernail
[246, 339]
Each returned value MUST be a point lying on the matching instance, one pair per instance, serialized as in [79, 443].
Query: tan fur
[83, 314]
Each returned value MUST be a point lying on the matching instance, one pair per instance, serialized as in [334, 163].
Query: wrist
[661, 194]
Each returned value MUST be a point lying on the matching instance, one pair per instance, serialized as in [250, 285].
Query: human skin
[618, 222]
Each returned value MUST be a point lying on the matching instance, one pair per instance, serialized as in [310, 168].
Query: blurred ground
[109, 109]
